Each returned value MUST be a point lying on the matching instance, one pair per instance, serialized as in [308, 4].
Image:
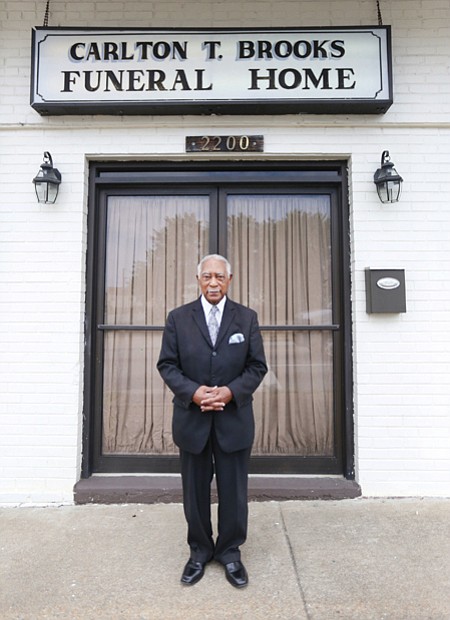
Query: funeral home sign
[232, 71]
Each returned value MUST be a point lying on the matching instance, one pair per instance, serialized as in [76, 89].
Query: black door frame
[126, 177]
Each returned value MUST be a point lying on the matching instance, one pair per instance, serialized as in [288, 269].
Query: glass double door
[279, 241]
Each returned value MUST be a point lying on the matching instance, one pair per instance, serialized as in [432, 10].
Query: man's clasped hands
[212, 398]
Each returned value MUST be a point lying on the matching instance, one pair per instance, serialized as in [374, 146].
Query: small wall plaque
[385, 290]
[225, 144]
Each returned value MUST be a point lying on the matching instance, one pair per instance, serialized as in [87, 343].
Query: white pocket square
[236, 338]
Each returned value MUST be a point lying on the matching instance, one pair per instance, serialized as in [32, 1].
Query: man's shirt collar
[207, 307]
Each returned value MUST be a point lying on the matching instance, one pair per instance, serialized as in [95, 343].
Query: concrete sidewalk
[350, 560]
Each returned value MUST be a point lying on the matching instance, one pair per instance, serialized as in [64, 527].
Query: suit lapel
[199, 318]
[227, 318]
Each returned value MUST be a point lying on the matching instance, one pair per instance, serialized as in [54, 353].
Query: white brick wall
[401, 362]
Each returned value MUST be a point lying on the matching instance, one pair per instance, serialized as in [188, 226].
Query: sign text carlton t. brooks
[178, 71]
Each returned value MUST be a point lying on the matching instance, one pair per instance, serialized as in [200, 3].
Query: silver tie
[213, 324]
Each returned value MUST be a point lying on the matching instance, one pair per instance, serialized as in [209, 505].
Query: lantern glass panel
[46, 192]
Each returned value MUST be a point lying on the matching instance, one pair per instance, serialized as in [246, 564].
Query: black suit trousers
[231, 470]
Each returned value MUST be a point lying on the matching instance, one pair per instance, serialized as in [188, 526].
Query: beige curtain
[280, 249]
[154, 244]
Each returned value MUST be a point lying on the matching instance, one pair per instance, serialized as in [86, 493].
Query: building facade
[353, 393]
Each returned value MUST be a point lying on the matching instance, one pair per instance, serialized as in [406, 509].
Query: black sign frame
[254, 106]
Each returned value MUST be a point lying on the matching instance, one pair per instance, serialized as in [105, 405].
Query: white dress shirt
[207, 308]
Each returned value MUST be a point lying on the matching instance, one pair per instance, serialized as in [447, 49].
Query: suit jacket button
[214, 353]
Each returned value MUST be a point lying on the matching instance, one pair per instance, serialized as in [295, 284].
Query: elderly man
[212, 358]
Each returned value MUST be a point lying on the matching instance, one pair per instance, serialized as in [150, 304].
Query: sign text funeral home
[134, 71]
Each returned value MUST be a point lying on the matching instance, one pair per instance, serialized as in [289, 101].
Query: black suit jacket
[188, 359]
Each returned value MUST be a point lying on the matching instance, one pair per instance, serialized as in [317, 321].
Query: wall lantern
[47, 180]
[387, 180]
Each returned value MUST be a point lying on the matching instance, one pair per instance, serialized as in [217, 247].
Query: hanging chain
[380, 19]
[46, 14]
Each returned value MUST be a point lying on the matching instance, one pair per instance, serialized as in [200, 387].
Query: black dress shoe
[236, 574]
[193, 572]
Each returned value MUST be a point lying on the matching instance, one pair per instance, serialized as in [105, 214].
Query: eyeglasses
[207, 277]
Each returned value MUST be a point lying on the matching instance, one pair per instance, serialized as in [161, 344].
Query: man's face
[213, 280]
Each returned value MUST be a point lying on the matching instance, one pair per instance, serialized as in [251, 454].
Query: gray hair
[215, 257]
